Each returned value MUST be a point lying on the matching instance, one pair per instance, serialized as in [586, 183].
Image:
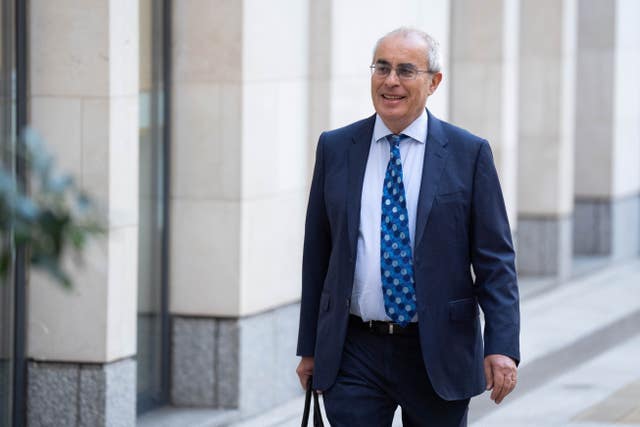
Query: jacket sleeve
[493, 260]
[315, 259]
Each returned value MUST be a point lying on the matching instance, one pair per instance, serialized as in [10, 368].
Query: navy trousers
[380, 372]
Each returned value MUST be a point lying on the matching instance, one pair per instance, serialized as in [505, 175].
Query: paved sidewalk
[602, 392]
[581, 353]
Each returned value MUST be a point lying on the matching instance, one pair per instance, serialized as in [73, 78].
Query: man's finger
[304, 379]
[511, 381]
[303, 376]
[507, 388]
[498, 384]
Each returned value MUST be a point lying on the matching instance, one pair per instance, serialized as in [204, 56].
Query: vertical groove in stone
[78, 397]
[228, 365]
[216, 365]
[91, 396]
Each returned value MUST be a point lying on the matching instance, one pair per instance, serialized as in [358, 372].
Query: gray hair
[433, 47]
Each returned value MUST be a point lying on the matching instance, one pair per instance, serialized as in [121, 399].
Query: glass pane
[7, 142]
[151, 224]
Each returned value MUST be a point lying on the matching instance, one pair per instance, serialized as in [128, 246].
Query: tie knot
[395, 139]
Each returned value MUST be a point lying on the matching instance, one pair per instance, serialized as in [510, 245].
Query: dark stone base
[607, 227]
[246, 363]
[5, 391]
[73, 394]
[544, 246]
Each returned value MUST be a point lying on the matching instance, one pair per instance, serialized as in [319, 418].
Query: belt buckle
[390, 328]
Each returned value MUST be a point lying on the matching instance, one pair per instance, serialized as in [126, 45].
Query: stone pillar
[84, 102]
[546, 131]
[484, 76]
[607, 212]
[239, 152]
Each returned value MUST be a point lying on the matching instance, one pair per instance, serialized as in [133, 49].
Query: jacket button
[347, 302]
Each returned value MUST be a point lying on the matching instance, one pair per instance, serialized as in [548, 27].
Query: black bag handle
[317, 414]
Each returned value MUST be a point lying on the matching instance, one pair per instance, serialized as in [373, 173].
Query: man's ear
[434, 82]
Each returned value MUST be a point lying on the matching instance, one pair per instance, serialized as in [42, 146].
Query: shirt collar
[417, 130]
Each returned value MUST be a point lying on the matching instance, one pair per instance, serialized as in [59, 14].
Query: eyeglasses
[403, 71]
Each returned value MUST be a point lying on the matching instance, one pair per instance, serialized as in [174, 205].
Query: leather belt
[379, 327]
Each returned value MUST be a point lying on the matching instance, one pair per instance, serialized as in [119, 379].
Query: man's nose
[392, 78]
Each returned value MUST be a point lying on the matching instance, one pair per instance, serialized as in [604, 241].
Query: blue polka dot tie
[396, 261]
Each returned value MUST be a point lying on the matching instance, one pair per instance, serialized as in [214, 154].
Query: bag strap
[307, 404]
[317, 414]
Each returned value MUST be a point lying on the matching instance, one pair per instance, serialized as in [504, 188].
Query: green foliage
[54, 218]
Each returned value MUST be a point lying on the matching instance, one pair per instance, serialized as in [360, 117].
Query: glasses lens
[381, 70]
[403, 72]
[406, 73]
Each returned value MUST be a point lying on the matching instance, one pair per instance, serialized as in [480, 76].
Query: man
[401, 206]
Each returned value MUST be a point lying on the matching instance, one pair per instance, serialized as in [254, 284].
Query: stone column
[84, 102]
[239, 152]
[484, 76]
[546, 131]
[607, 212]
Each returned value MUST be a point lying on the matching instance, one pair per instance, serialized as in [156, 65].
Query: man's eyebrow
[404, 64]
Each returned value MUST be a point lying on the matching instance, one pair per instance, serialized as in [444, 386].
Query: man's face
[399, 101]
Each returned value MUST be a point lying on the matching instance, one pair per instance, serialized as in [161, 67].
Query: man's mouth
[392, 97]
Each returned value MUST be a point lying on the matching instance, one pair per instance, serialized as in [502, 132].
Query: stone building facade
[194, 124]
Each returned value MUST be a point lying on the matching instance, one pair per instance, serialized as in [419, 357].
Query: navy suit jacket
[461, 222]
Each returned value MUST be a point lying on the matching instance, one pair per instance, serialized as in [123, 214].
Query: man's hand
[305, 370]
[501, 374]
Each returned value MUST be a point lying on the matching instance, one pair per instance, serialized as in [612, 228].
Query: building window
[7, 157]
[152, 350]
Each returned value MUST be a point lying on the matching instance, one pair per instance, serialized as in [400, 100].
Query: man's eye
[383, 69]
[405, 72]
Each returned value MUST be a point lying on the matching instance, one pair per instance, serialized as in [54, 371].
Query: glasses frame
[375, 67]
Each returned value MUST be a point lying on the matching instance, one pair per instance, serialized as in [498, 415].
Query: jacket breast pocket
[463, 309]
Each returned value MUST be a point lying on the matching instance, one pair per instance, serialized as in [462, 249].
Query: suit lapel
[435, 157]
[358, 153]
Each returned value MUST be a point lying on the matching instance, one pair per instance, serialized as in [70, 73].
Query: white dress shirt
[366, 298]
